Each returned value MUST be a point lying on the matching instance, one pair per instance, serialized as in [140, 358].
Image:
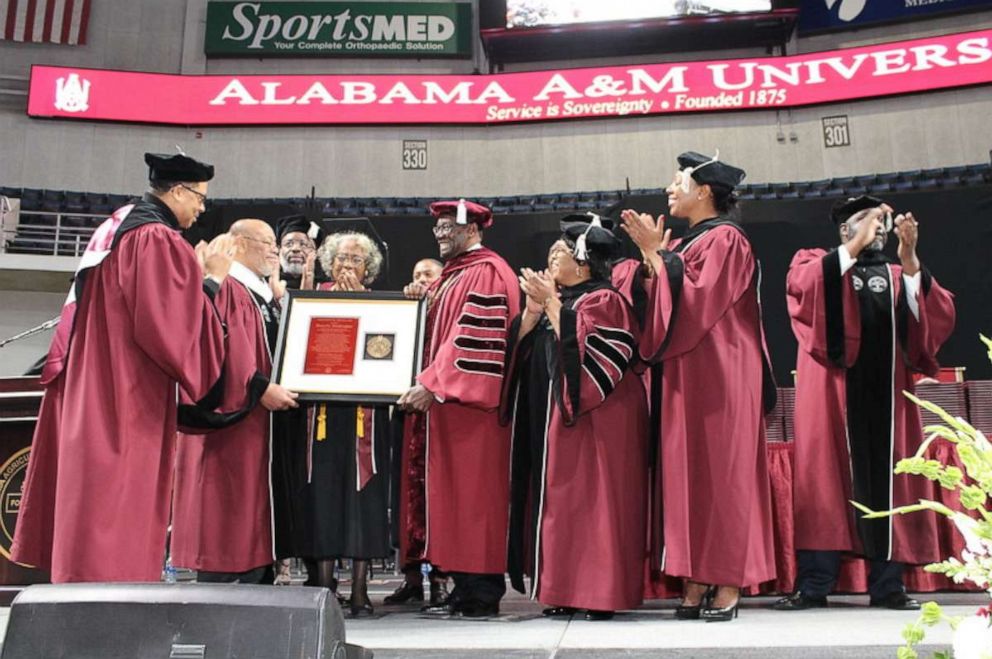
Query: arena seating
[76, 214]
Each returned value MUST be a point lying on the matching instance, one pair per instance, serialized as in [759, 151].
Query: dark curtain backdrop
[955, 244]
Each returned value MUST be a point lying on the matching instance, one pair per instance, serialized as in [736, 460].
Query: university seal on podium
[12, 474]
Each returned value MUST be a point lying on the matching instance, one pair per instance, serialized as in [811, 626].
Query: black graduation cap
[591, 234]
[299, 223]
[177, 167]
[844, 209]
[710, 171]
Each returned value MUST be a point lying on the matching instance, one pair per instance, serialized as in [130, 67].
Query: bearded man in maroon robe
[222, 517]
[864, 323]
[139, 322]
[456, 468]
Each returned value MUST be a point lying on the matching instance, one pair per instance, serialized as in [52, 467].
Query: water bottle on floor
[169, 573]
[425, 572]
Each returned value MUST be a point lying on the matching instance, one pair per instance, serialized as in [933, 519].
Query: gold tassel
[322, 423]
[360, 425]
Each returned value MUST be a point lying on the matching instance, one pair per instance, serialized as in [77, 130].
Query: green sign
[343, 29]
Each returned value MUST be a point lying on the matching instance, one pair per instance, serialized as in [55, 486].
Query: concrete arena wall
[919, 131]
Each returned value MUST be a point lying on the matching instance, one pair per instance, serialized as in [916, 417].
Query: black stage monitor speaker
[176, 621]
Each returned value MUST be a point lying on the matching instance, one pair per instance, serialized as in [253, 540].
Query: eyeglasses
[292, 244]
[444, 229]
[353, 259]
[271, 244]
[203, 197]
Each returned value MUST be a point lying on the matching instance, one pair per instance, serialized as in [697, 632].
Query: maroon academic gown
[222, 514]
[580, 456]
[703, 325]
[456, 462]
[826, 319]
[99, 483]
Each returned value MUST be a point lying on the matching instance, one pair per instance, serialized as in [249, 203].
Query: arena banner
[342, 29]
[822, 15]
[939, 62]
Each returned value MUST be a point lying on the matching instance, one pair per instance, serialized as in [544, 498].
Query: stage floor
[848, 629]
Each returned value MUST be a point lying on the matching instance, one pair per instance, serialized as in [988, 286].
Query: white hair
[373, 257]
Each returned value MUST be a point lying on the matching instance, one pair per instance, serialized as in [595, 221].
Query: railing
[68, 235]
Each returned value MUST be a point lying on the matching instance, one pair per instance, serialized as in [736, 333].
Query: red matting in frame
[331, 346]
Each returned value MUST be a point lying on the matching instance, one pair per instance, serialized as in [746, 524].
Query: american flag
[44, 21]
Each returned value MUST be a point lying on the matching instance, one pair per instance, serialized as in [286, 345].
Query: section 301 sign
[348, 29]
[933, 63]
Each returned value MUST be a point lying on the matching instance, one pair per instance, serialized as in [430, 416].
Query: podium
[20, 398]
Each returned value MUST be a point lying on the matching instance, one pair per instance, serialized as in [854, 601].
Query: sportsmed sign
[932, 63]
[348, 29]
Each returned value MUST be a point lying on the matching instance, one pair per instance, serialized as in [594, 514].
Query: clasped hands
[539, 289]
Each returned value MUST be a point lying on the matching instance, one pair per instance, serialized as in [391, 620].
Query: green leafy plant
[972, 634]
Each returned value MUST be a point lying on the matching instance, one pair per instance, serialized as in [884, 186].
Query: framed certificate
[348, 346]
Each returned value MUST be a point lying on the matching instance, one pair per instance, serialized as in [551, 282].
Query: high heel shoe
[599, 615]
[725, 614]
[683, 612]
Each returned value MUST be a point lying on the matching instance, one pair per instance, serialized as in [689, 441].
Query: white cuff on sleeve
[912, 285]
[846, 260]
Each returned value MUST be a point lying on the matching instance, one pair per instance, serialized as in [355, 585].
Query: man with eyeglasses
[139, 323]
[222, 517]
[298, 242]
[455, 490]
[298, 239]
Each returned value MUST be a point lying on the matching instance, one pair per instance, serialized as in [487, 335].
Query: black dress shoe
[799, 601]
[477, 610]
[406, 593]
[558, 612]
[599, 615]
[440, 611]
[362, 610]
[439, 593]
[897, 601]
[724, 614]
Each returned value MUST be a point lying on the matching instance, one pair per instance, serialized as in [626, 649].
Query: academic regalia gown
[455, 481]
[221, 515]
[858, 346]
[703, 325]
[580, 431]
[346, 501]
[290, 438]
[290, 470]
[99, 483]
[346, 496]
